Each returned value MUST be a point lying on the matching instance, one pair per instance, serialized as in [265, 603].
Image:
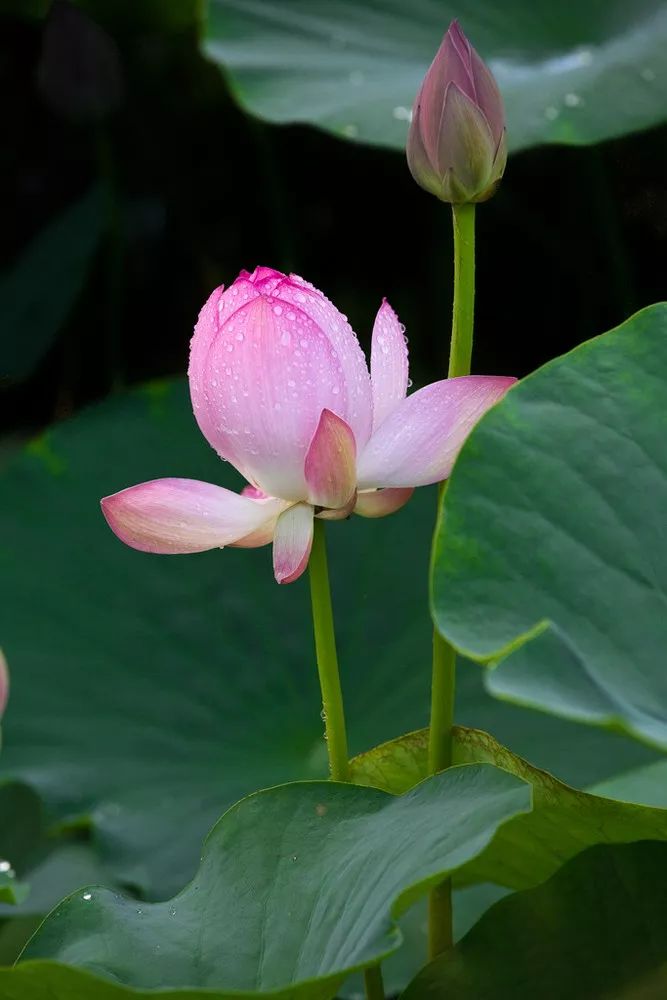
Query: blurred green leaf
[146, 15]
[552, 555]
[596, 929]
[37, 295]
[576, 74]
[529, 848]
[297, 887]
[149, 692]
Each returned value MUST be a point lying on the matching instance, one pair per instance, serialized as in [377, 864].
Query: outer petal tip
[330, 464]
[178, 516]
[292, 542]
[420, 440]
[389, 363]
[380, 503]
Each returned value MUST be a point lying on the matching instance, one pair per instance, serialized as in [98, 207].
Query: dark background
[195, 190]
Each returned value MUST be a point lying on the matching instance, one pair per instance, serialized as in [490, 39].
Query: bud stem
[460, 351]
[444, 658]
[327, 658]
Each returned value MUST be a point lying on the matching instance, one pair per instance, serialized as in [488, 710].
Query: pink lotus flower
[456, 145]
[280, 388]
[4, 684]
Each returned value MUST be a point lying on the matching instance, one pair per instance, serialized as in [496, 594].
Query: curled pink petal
[268, 355]
[183, 515]
[389, 363]
[254, 493]
[379, 503]
[292, 542]
[330, 465]
[4, 683]
[418, 442]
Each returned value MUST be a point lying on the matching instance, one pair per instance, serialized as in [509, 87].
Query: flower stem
[327, 658]
[332, 695]
[443, 681]
[374, 983]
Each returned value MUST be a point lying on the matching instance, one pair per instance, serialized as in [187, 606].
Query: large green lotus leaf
[552, 554]
[530, 848]
[37, 294]
[576, 74]
[151, 692]
[596, 929]
[297, 887]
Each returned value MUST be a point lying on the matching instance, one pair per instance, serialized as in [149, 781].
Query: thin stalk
[374, 983]
[332, 695]
[443, 681]
[327, 658]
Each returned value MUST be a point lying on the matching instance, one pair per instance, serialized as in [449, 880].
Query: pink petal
[4, 683]
[292, 542]
[379, 503]
[389, 363]
[330, 465]
[268, 355]
[184, 515]
[418, 442]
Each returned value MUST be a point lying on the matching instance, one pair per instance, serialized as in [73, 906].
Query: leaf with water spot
[298, 886]
[579, 74]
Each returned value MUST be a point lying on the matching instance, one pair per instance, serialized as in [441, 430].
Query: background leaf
[166, 689]
[597, 929]
[37, 294]
[552, 554]
[297, 887]
[529, 848]
[575, 75]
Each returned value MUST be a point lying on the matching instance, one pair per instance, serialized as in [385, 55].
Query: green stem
[327, 658]
[460, 351]
[374, 983]
[332, 695]
[443, 682]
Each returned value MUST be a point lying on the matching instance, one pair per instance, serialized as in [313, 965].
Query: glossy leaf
[37, 294]
[530, 848]
[596, 929]
[167, 687]
[297, 887]
[552, 554]
[587, 72]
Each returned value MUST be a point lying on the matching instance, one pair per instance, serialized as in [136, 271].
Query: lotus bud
[456, 145]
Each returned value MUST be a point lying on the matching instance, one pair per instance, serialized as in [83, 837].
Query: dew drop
[286, 339]
[87, 895]
[278, 310]
[239, 337]
[5, 866]
[402, 114]
[647, 74]
[573, 100]
[551, 113]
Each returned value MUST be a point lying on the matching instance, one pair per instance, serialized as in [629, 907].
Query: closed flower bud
[456, 145]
